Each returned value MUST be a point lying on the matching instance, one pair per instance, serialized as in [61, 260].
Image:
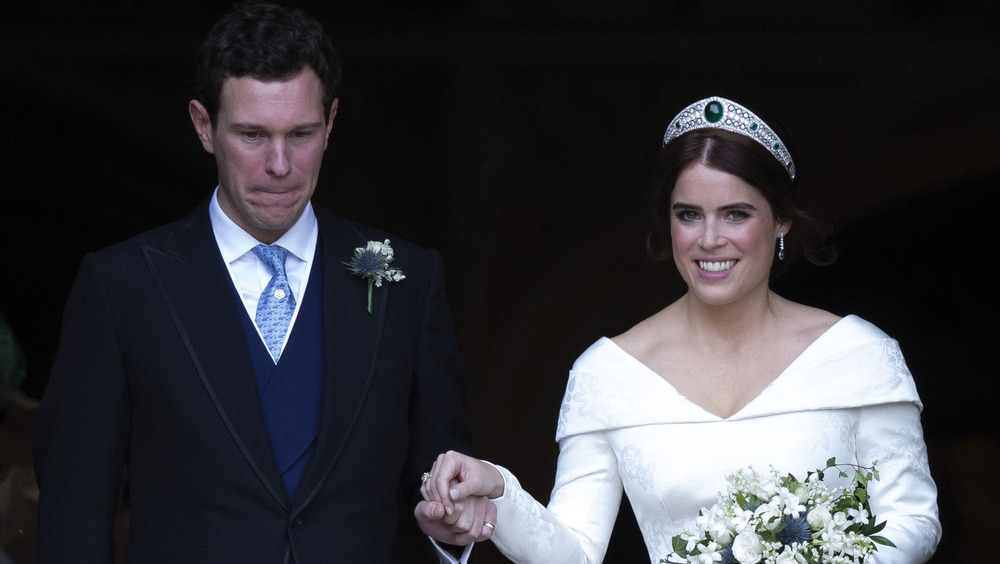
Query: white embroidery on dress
[897, 365]
[585, 398]
[564, 408]
[537, 533]
[905, 448]
[632, 469]
[658, 534]
[840, 425]
[593, 403]
[849, 434]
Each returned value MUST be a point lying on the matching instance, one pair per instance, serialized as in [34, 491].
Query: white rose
[840, 520]
[723, 536]
[748, 548]
[801, 491]
[769, 516]
[764, 490]
[789, 557]
[818, 518]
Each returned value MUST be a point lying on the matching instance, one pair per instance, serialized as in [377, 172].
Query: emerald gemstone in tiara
[719, 113]
[713, 112]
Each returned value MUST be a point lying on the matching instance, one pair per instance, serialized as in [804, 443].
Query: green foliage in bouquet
[778, 519]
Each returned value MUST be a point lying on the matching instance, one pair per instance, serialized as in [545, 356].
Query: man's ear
[333, 114]
[202, 124]
[329, 122]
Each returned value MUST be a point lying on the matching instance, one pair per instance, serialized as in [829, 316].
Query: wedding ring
[493, 528]
[426, 476]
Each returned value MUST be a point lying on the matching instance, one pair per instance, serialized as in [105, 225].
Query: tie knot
[273, 257]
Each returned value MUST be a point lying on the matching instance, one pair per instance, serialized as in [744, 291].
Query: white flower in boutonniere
[371, 262]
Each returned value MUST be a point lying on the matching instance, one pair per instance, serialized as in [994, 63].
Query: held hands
[457, 507]
[465, 525]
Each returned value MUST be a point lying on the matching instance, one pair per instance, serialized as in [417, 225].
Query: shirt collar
[234, 242]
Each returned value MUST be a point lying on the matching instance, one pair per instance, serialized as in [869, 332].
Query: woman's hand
[456, 476]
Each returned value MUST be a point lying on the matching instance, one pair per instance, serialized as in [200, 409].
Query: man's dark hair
[268, 42]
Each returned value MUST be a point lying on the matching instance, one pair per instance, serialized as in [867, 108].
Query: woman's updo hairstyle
[741, 156]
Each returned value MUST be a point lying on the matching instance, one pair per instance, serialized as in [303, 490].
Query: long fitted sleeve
[905, 496]
[576, 525]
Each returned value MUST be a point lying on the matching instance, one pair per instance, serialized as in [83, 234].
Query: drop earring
[781, 246]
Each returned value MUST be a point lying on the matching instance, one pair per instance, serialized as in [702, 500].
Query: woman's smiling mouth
[716, 266]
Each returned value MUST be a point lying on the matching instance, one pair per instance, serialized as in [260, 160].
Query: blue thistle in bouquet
[777, 519]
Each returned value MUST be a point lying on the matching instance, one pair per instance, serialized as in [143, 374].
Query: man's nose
[277, 159]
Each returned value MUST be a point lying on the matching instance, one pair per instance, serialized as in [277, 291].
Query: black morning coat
[153, 376]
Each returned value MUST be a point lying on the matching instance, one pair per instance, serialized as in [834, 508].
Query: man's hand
[465, 524]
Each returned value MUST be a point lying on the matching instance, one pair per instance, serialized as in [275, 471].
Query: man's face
[268, 143]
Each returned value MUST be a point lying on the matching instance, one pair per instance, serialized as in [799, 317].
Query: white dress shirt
[249, 274]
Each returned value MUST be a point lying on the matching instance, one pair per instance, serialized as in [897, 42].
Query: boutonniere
[371, 262]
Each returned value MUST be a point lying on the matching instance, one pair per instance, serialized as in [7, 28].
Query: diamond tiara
[720, 113]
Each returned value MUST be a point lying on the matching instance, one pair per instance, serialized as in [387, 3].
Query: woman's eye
[737, 215]
[687, 215]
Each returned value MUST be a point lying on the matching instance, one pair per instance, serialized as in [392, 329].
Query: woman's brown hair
[743, 157]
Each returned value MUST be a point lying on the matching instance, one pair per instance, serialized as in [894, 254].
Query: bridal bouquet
[776, 519]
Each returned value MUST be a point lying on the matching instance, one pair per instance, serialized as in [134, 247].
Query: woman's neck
[734, 322]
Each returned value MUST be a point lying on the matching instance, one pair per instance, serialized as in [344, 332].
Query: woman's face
[723, 235]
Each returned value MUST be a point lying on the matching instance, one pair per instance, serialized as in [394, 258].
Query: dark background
[519, 138]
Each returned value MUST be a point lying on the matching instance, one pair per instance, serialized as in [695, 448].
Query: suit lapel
[198, 291]
[352, 337]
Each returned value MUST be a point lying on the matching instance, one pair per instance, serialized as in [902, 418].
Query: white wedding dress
[849, 395]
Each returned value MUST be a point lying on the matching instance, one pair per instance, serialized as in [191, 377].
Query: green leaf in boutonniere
[371, 262]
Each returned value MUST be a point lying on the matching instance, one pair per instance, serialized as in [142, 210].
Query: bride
[730, 375]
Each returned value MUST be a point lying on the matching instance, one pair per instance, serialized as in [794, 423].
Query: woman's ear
[783, 226]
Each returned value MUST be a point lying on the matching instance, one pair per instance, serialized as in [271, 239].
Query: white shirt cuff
[444, 557]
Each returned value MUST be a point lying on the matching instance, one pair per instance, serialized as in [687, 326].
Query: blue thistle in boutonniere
[371, 262]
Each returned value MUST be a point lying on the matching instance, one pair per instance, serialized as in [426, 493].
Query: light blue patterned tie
[276, 304]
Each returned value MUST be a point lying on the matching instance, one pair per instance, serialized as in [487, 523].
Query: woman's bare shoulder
[655, 330]
[807, 322]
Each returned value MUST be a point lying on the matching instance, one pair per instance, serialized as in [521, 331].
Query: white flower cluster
[371, 262]
[776, 519]
[384, 273]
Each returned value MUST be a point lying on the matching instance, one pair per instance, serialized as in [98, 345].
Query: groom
[230, 366]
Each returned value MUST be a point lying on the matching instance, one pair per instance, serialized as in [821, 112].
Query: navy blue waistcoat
[291, 390]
